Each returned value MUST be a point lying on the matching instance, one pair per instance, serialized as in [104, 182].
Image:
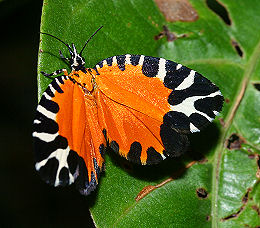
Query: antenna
[58, 40]
[90, 39]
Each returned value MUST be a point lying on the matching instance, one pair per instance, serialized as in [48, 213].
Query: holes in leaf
[237, 48]
[166, 32]
[251, 156]
[169, 35]
[244, 201]
[220, 10]
[245, 198]
[203, 160]
[257, 86]
[230, 216]
[202, 193]
[258, 166]
[234, 142]
[256, 208]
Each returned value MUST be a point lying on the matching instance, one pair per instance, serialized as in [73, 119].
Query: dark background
[25, 200]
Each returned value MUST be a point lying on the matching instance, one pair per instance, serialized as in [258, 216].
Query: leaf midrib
[249, 69]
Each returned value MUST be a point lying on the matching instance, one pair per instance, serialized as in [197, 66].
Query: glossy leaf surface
[223, 189]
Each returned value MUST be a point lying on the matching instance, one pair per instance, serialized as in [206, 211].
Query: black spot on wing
[64, 176]
[84, 70]
[77, 167]
[153, 157]
[201, 87]
[209, 104]
[56, 86]
[95, 68]
[176, 97]
[199, 121]
[177, 120]
[150, 66]
[96, 167]
[174, 143]
[49, 105]
[73, 80]
[100, 64]
[43, 149]
[89, 187]
[174, 77]
[121, 62]
[134, 154]
[49, 92]
[104, 131]
[72, 161]
[109, 61]
[49, 170]
[45, 125]
[61, 79]
[102, 150]
[134, 59]
[82, 181]
[114, 146]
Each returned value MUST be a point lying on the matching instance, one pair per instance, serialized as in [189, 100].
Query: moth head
[76, 60]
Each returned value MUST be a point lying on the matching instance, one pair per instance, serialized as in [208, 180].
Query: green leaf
[223, 189]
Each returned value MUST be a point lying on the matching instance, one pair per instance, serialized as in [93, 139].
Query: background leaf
[221, 189]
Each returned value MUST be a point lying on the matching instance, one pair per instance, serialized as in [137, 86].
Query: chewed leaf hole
[234, 142]
[170, 36]
[230, 216]
[256, 208]
[202, 193]
[166, 33]
[257, 86]
[244, 201]
[237, 48]
[245, 197]
[220, 10]
[258, 166]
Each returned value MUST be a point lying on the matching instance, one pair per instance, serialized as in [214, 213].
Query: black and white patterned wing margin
[56, 162]
[195, 101]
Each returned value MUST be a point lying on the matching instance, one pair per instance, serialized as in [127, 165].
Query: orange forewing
[131, 107]
[134, 90]
[125, 126]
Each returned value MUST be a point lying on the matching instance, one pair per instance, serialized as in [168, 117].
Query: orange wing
[68, 139]
[131, 133]
[132, 107]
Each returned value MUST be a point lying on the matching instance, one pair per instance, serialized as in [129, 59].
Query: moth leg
[55, 73]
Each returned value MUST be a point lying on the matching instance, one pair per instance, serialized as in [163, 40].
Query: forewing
[169, 99]
[133, 134]
[67, 138]
[161, 89]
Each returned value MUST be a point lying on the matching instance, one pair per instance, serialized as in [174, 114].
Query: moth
[142, 107]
